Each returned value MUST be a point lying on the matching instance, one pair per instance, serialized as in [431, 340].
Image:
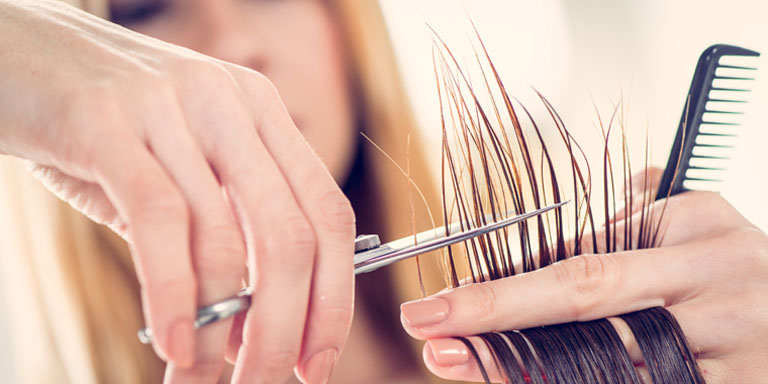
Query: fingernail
[182, 340]
[449, 352]
[319, 366]
[425, 312]
[643, 375]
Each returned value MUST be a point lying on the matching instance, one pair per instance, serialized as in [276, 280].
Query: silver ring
[212, 313]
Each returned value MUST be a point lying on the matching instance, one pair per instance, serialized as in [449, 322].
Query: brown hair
[489, 171]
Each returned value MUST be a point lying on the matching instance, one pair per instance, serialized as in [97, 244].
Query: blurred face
[295, 43]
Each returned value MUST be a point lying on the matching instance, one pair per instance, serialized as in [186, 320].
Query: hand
[198, 165]
[711, 272]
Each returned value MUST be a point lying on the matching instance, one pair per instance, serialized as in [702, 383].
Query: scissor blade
[436, 233]
[397, 250]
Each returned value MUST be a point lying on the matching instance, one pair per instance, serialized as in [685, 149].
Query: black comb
[711, 117]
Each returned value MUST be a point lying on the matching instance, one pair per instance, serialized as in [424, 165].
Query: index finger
[578, 289]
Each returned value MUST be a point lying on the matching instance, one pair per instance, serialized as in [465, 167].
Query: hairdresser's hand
[711, 272]
[198, 165]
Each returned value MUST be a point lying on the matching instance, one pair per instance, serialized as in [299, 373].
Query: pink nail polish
[449, 352]
[425, 312]
[319, 367]
[182, 343]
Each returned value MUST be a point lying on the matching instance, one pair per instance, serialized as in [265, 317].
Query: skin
[711, 274]
[198, 163]
[145, 138]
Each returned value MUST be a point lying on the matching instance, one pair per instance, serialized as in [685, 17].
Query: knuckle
[291, 243]
[205, 73]
[258, 84]
[299, 236]
[586, 278]
[337, 211]
[173, 289]
[157, 204]
[339, 314]
[221, 251]
[217, 74]
[258, 79]
[278, 363]
[162, 88]
[484, 299]
[749, 246]
[201, 67]
[711, 201]
[596, 244]
[260, 91]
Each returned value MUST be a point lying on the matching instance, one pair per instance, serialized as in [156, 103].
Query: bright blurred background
[576, 51]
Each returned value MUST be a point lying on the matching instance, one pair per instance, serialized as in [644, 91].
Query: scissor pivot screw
[366, 242]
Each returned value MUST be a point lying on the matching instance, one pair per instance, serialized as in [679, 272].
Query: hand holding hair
[711, 273]
[198, 165]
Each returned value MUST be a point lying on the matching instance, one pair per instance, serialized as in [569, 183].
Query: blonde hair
[73, 294]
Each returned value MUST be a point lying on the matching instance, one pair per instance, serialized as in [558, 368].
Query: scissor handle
[368, 254]
[212, 313]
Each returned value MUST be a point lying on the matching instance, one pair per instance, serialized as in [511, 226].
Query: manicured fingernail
[425, 312]
[182, 340]
[449, 352]
[319, 366]
[643, 375]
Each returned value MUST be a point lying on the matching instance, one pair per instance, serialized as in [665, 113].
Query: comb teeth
[719, 94]
[737, 67]
[715, 137]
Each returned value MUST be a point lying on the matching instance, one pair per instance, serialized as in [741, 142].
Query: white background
[570, 48]
[574, 51]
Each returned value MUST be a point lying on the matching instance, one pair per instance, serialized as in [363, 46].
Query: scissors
[370, 255]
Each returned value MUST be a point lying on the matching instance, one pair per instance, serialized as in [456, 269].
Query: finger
[218, 250]
[281, 246]
[627, 339]
[331, 216]
[157, 220]
[578, 289]
[743, 368]
[716, 372]
[645, 180]
[641, 184]
[643, 374]
[235, 337]
[450, 359]
[681, 218]
[723, 310]
[622, 330]
[280, 273]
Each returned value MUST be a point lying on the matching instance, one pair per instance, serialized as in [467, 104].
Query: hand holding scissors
[370, 255]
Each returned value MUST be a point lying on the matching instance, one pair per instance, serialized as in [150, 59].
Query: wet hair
[497, 158]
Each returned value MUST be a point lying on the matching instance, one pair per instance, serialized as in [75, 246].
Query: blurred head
[321, 54]
[295, 43]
